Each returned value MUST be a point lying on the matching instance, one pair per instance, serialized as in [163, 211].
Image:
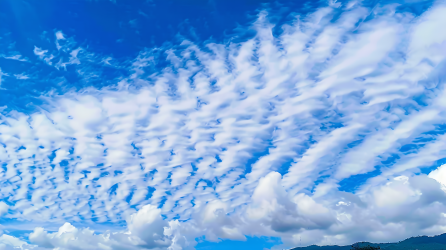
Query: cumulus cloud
[251, 138]
[149, 225]
[439, 175]
[399, 208]
[70, 237]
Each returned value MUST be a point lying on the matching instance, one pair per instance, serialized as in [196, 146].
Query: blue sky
[208, 124]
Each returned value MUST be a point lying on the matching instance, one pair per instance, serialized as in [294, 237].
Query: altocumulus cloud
[228, 140]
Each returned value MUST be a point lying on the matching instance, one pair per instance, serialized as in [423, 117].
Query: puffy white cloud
[70, 237]
[396, 209]
[149, 226]
[439, 175]
[8, 242]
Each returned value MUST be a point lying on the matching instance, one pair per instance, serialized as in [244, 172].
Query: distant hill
[414, 243]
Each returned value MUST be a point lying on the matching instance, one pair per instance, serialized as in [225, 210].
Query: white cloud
[149, 226]
[439, 175]
[378, 215]
[229, 140]
[3, 208]
[60, 35]
[8, 242]
[42, 54]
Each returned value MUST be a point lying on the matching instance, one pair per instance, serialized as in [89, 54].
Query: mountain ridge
[437, 242]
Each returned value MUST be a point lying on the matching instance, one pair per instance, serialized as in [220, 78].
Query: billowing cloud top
[327, 128]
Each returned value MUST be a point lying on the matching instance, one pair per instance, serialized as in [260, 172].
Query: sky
[220, 124]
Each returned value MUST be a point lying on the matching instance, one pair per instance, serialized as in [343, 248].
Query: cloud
[439, 175]
[60, 35]
[147, 230]
[42, 54]
[70, 237]
[149, 226]
[415, 203]
[3, 208]
[8, 242]
[224, 141]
